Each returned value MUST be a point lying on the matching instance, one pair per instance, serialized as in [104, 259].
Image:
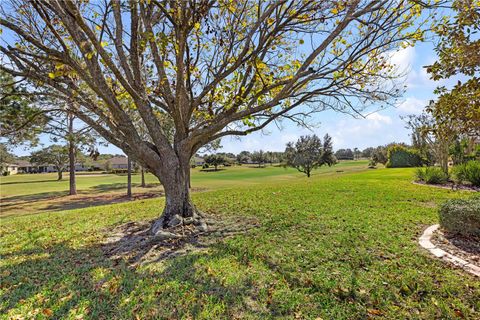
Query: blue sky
[376, 129]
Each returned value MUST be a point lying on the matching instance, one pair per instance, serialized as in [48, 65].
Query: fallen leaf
[374, 312]
[47, 312]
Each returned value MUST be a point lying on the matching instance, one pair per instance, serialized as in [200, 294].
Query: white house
[119, 162]
[197, 161]
[10, 168]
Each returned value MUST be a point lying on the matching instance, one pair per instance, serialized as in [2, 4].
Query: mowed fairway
[29, 193]
[340, 245]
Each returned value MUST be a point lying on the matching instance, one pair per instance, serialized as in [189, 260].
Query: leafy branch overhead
[232, 65]
[161, 79]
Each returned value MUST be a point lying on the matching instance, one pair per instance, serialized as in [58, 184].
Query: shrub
[469, 172]
[401, 157]
[461, 216]
[431, 175]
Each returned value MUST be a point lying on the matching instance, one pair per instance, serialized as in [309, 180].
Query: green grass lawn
[26, 184]
[30, 193]
[340, 245]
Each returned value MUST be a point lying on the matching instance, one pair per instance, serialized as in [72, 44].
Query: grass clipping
[133, 242]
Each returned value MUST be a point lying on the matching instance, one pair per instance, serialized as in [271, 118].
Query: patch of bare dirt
[133, 242]
[59, 201]
[30, 204]
[467, 248]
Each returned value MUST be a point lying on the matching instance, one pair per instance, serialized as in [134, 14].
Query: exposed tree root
[134, 242]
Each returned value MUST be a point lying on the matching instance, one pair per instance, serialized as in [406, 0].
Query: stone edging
[425, 242]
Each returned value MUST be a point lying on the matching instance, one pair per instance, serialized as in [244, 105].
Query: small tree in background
[5, 157]
[55, 155]
[368, 152]
[259, 157]
[215, 160]
[108, 166]
[357, 153]
[344, 154]
[379, 155]
[400, 157]
[309, 153]
[243, 157]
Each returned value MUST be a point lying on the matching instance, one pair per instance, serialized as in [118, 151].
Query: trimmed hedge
[431, 175]
[461, 216]
[469, 172]
[401, 157]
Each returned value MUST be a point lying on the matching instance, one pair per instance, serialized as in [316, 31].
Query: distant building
[119, 162]
[24, 166]
[198, 161]
[10, 168]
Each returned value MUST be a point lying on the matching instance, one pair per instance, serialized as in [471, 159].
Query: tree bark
[129, 177]
[142, 171]
[71, 157]
[179, 208]
[60, 175]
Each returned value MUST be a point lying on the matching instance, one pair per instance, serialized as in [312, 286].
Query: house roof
[23, 163]
[118, 160]
[11, 165]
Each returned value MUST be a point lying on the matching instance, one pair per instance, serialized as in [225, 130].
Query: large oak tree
[211, 68]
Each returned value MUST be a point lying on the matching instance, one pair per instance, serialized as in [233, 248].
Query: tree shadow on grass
[61, 200]
[216, 277]
[212, 170]
[60, 281]
[28, 198]
[23, 182]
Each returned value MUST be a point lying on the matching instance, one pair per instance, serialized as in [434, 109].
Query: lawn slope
[336, 246]
[31, 193]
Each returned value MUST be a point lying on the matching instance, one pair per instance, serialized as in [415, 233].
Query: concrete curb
[425, 242]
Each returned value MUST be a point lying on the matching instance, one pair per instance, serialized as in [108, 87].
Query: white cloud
[377, 119]
[403, 59]
[412, 105]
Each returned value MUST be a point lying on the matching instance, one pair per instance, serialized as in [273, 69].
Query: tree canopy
[208, 68]
[309, 153]
[458, 49]
[215, 160]
[55, 155]
[5, 157]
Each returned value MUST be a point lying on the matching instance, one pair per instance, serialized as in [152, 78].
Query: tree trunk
[179, 208]
[71, 156]
[129, 177]
[60, 175]
[73, 183]
[142, 170]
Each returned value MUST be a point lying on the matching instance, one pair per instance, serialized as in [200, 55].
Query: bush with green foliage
[215, 160]
[461, 216]
[400, 157]
[467, 172]
[431, 175]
